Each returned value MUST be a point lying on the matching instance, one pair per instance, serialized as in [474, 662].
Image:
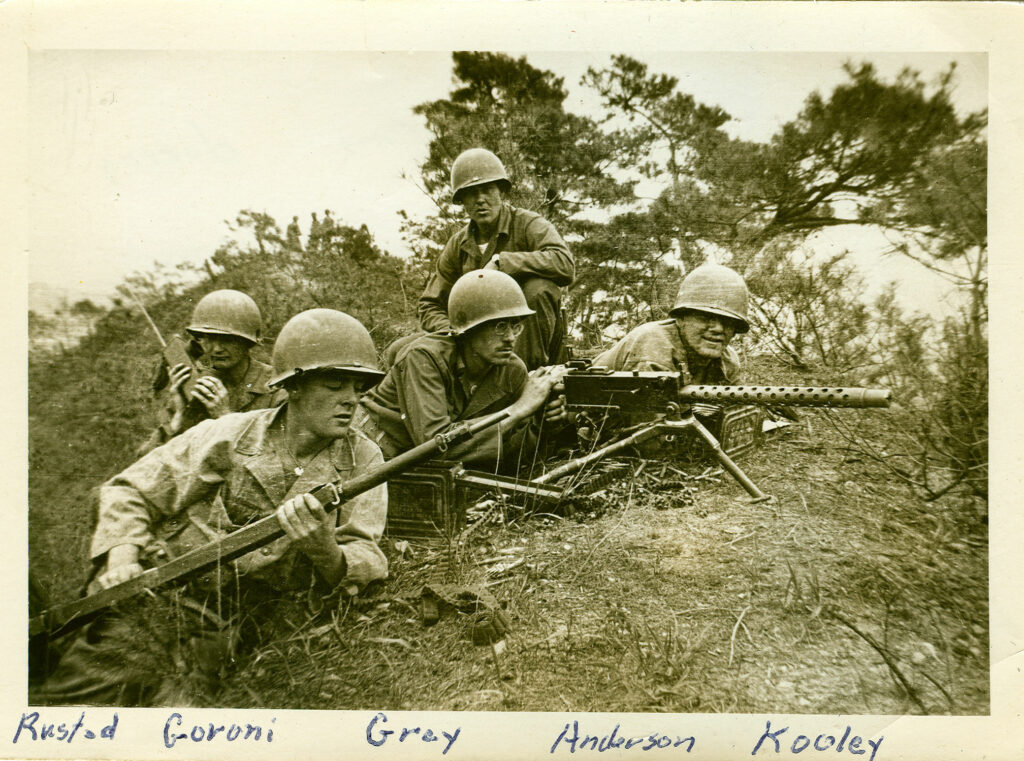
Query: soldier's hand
[494, 263]
[179, 374]
[122, 564]
[213, 394]
[537, 389]
[307, 524]
[555, 410]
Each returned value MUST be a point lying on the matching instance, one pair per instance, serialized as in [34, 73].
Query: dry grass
[846, 594]
[718, 606]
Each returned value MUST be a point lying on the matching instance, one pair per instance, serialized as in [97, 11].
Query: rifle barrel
[796, 396]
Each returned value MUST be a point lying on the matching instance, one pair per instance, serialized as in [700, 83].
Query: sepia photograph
[507, 380]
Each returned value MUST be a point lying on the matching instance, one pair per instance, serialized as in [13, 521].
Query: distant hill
[45, 299]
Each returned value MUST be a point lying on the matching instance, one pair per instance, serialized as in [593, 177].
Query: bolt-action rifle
[68, 616]
[594, 395]
[174, 350]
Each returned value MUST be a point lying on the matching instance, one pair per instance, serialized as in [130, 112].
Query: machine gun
[431, 500]
[68, 616]
[596, 396]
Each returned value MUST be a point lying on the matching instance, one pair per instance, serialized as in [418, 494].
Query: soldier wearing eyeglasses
[468, 372]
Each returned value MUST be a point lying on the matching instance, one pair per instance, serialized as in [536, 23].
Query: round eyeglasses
[510, 328]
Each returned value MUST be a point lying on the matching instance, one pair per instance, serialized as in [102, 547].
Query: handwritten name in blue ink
[209, 731]
[769, 740]
[572, 738]
[377, 736]
[31, 726]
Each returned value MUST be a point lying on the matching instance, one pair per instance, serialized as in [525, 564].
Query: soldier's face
[223, 353]
[494, 342]
[482, 203]
[707, 334]
[324, 403]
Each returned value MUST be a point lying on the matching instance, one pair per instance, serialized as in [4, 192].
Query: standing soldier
[501, 237]
[710, 308]
[313, 241]
[214, 479]
[293, 235]
[441, 379]
[327, 229]
[225, 326]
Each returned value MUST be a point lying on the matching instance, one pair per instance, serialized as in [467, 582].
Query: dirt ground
[843, 594]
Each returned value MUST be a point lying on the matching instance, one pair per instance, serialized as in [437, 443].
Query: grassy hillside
[845, 594]
[667, 591]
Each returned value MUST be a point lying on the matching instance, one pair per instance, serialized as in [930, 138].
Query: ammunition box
[423, 503]
[740, 429]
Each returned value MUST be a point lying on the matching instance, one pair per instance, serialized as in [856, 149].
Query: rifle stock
[68, 616]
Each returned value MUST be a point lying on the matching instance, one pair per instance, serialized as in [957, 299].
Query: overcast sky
[140, 156]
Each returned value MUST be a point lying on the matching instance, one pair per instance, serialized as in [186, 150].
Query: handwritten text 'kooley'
[814, 744]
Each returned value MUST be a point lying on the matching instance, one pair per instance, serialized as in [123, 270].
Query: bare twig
[893, 668]
[735, 628]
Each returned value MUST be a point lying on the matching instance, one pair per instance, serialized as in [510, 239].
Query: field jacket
[251, 393]
[225, 473]
[529, 245]
[425, 392]
[660, 347]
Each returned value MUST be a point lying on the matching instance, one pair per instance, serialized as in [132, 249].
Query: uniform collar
[485, 393]
[503, 227]
[265, 465]
[256, 378]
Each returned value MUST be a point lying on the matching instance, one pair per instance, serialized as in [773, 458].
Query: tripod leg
[727, 462]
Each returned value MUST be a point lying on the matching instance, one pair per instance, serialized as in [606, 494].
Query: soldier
[514, 241]
[710, 308]
[213, 479]
[293, 235]
[446, 377]
[327, 228]
[225, 326]
[315, 227]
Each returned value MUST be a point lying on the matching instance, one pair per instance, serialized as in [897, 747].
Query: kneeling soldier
[441, 378]
[214, 478]
[225, 326]
[514, 241]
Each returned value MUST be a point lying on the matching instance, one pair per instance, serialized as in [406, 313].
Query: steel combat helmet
[483, 295]
[715, 289]
[227, 313]
[476, 167]
[324, 339]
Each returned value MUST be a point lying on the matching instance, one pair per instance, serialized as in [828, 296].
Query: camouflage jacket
[225, 473]
[660, 347]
